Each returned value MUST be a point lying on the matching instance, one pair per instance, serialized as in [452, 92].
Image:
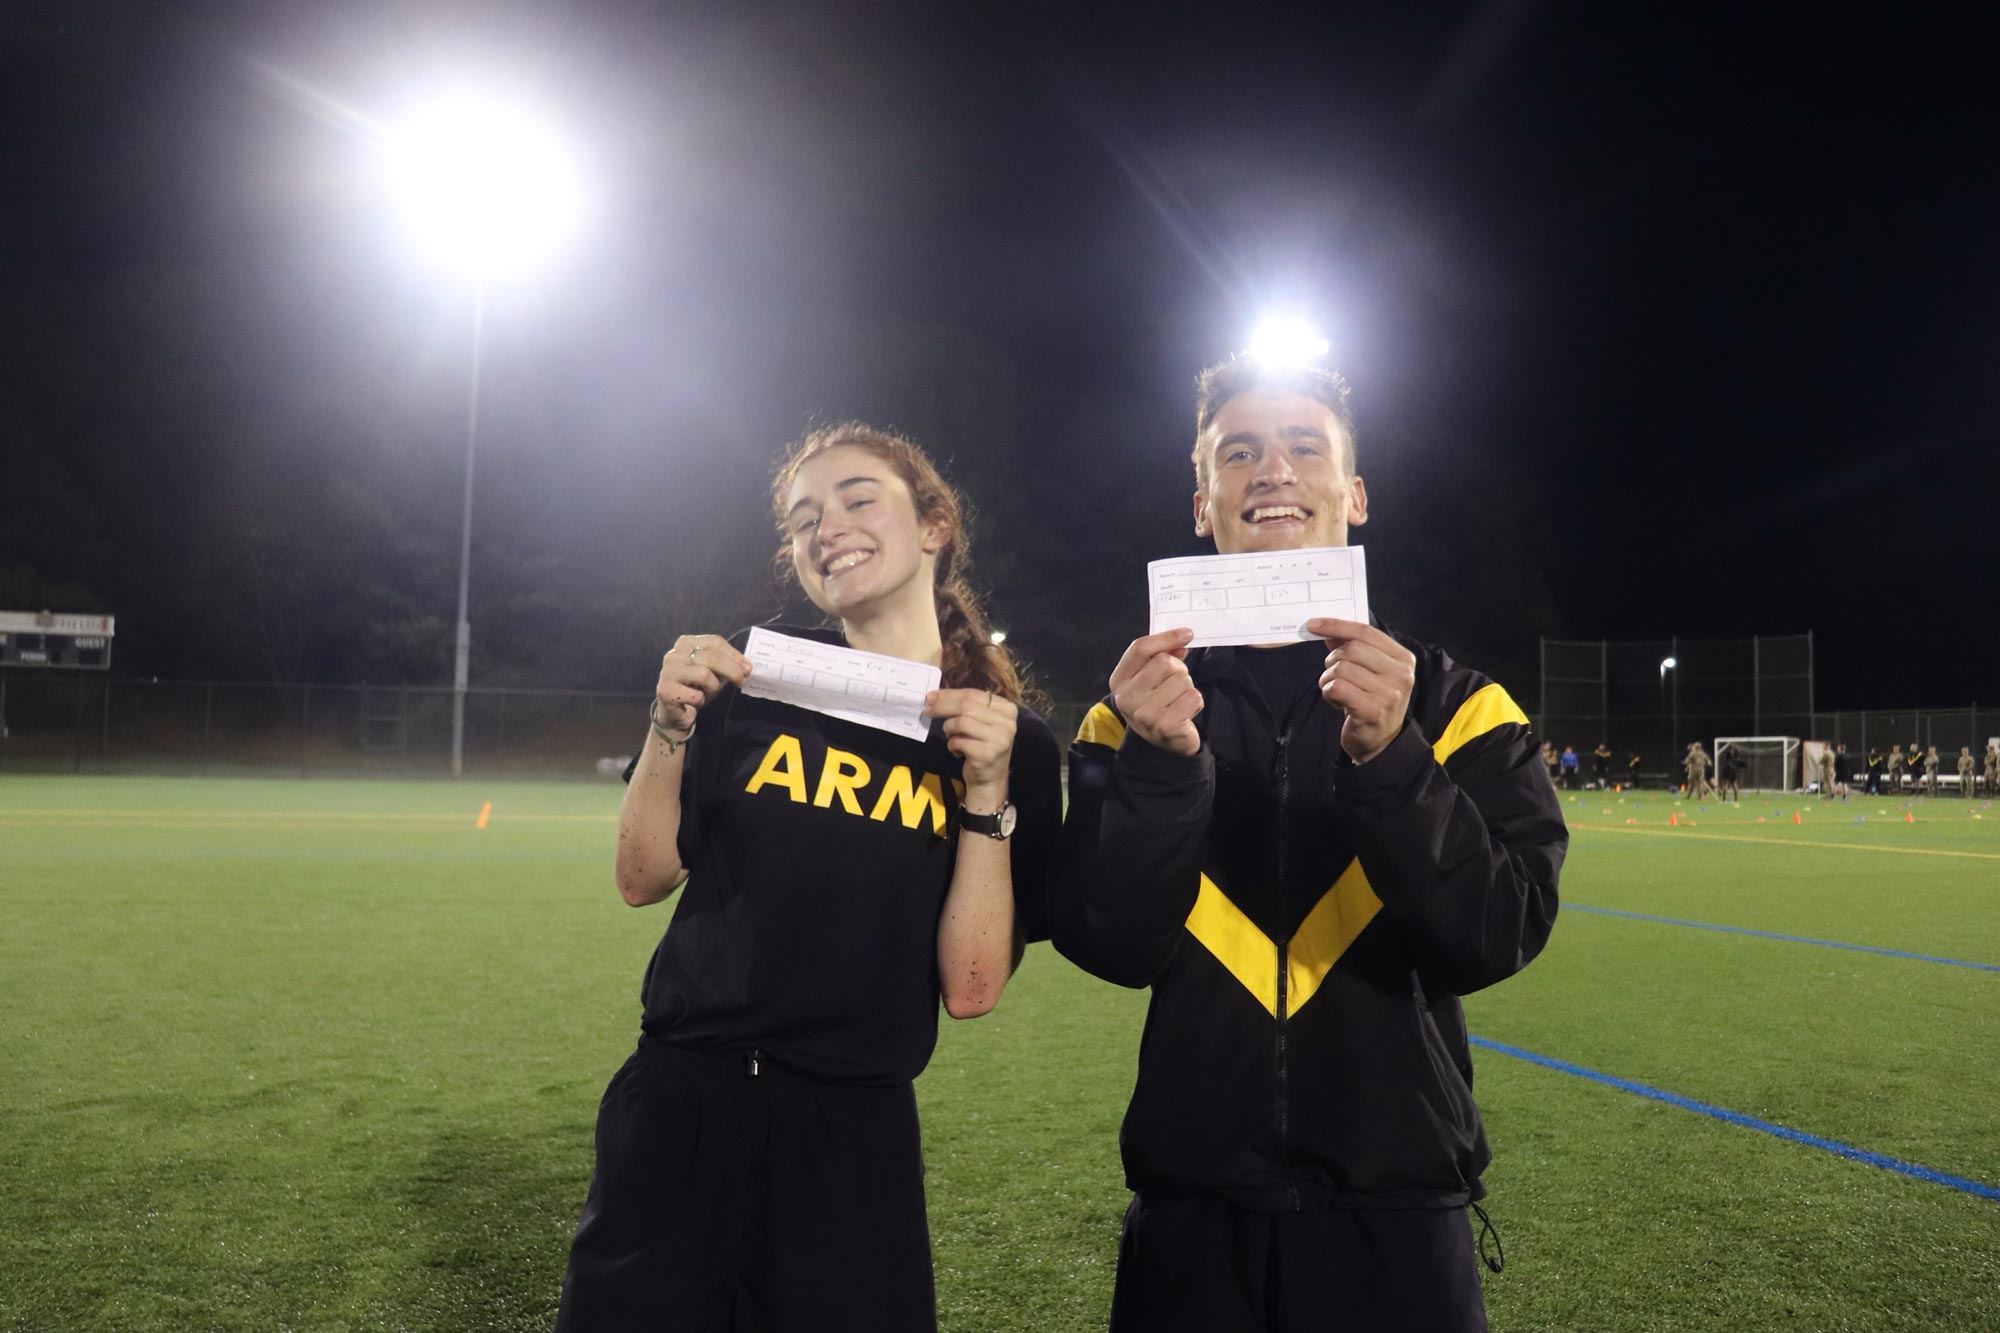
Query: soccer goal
[1763, 763]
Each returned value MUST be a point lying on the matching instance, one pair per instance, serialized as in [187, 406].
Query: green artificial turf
[300, 1055]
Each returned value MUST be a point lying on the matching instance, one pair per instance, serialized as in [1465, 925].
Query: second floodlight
[1287, 340]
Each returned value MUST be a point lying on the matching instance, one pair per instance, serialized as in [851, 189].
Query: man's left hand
[1369, 676]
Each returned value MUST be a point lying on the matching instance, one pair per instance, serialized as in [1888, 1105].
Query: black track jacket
[1307, 926]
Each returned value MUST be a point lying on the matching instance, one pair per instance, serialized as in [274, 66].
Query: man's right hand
[693, 672]
[1154, 692]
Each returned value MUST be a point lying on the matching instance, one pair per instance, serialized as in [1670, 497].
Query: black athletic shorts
[739, 1202]
[1198, 1265]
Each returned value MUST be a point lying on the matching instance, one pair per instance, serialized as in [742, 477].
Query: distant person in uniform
[1965, 771]
[1728, 761]
[1553, 762]
[1571, 766]
[1993, 770]
[1697, 772]
[1600, 766]
[1892, 769]
[1931, 765]
[1826, 779]
[1875, 765]
[1843, 771]
[1632, 766]
[1913, 765]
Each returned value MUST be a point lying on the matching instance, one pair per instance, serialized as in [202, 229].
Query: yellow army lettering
[842, 777]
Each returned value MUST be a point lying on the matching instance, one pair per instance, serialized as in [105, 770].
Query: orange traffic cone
[1673, 819]
[1909, 818]
[1796, 819]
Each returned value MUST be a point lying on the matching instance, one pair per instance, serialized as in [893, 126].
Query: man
[1843, 770]
[1571, 766]
[1892, 769]
[1931, 764]
[1308, 851]
[1697, 772]
[1993, 770]
[1728, 760]
[1914, 766]
[1600, 766]
[1965, 770]
[1632, 765]
[1827, 782]
[1873, 787]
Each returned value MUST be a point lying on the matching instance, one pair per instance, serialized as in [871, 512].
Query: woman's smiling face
[856, 537]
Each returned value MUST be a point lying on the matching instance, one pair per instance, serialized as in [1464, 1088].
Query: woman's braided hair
[971, 659]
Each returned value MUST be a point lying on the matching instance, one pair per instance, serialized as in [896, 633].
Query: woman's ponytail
[971, 659]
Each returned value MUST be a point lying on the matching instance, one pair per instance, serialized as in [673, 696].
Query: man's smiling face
[1276, 475]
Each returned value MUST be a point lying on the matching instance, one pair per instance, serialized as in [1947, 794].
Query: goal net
[1763, 763]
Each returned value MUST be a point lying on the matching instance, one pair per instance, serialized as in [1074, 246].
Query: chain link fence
[78, 724]
[85, 723]
[1651, 697]
[1861, 730]
[1615, 692]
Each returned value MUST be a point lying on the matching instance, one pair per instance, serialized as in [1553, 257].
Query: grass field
[290, 1055]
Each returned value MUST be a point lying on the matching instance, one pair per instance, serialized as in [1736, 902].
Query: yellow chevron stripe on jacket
[1334, 923]
[1342, 912]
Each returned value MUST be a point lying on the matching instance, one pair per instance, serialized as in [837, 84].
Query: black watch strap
[999, 824]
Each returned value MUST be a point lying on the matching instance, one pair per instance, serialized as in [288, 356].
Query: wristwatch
[998, 826]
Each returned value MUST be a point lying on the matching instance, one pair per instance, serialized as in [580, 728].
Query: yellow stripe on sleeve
[1489, 707]
[1101, 726]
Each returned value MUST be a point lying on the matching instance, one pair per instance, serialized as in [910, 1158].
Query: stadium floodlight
[1667, 664]
[997, 637]
[1287, 340]
[486, 189]
[483, 185]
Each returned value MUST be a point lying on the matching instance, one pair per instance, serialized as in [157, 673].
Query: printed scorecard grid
[1257, 597]
[869, 688]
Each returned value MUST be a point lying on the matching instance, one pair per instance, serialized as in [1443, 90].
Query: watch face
[1007, 816]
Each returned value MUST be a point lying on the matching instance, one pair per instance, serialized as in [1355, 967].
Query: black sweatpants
[739, 1202]
[1198, 1265]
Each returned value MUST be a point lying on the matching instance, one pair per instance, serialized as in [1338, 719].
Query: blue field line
[1846, 1150]
[1792, 939]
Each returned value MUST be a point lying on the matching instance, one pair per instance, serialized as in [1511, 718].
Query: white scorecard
[1257, 596]
[876, 691]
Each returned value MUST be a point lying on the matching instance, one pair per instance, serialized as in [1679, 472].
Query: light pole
[462, 649]
[1674, 724]
[486, 190]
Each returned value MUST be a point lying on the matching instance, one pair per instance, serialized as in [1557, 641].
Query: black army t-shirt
[819, 853]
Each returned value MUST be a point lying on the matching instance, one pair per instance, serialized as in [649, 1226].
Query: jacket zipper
[1284, 950]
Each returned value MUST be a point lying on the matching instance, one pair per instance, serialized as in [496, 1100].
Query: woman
[758, 1164]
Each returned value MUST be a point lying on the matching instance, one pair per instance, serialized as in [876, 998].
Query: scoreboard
[46, 639]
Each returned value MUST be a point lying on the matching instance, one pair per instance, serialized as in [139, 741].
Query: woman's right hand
[694, 670]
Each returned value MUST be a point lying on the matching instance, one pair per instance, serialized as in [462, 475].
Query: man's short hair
[1244, 374]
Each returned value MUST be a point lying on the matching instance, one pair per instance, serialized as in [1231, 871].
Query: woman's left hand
[979, 729]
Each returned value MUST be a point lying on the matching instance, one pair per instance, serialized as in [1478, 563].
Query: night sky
[1660, 320]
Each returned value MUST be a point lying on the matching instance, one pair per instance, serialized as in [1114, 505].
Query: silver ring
[693, 648]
